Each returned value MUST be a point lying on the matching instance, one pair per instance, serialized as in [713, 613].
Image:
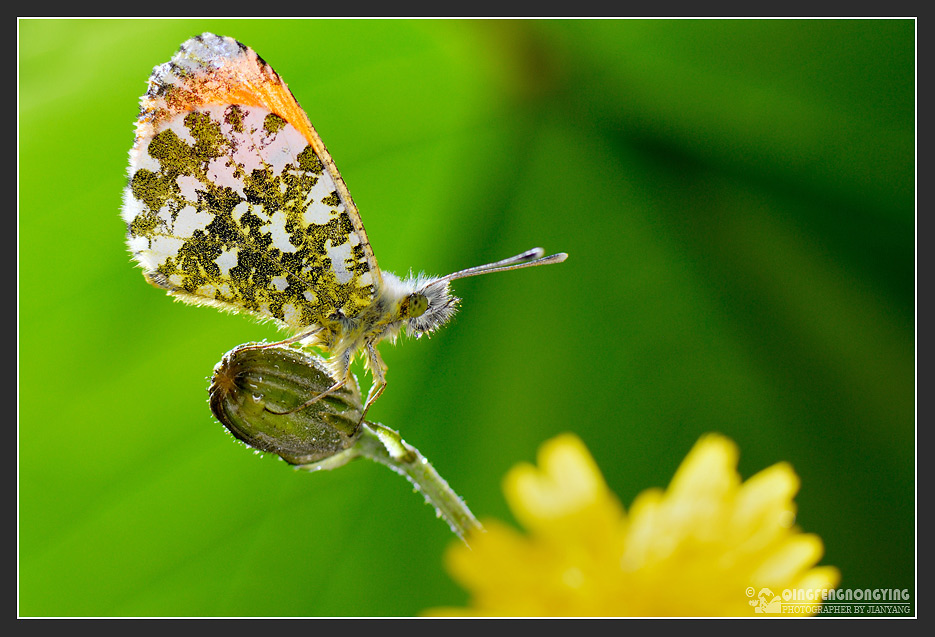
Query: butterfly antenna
[527, 259]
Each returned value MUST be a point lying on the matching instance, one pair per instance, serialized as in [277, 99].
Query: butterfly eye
[413, 306]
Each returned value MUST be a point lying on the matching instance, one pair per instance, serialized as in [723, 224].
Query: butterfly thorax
[418, 303]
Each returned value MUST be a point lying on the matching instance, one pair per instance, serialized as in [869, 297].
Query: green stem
[382, 444]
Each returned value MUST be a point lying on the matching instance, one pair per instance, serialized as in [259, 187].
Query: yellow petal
[566, 485]
[785, 564]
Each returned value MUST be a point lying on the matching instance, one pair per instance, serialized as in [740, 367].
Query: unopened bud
[255, 385]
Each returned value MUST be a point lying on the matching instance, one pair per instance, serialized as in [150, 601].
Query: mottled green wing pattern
[230, 204]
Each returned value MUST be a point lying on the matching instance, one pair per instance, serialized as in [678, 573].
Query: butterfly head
[427, 303]
[429, 306]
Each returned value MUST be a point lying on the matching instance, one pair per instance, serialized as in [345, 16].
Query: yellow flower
[709, 545]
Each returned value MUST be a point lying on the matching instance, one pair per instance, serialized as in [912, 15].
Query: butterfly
[234, 202]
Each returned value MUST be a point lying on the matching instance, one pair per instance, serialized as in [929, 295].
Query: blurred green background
[737, 200]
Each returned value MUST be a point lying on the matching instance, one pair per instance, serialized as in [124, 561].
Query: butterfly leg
[292, 339]
[345, 363]
[378, 369]
[310, 401]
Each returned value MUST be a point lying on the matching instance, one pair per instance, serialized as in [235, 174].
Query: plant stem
[382, 444]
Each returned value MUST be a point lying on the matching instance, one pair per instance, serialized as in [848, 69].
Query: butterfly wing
[233, 200]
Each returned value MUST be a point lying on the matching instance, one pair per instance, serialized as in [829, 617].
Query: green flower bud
[254, 384]
[261, 393]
